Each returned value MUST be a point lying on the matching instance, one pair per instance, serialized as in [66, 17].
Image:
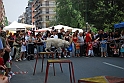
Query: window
[47, 10]
[47, 3]
[47, 18]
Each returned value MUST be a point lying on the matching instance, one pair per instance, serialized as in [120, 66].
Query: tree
[105, 13]
[66, 14]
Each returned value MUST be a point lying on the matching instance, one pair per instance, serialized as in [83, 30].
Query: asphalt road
[83, 68]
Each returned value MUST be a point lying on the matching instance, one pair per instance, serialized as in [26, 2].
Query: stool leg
[78, 81]
[52, 56]
[35, 65]
[54, 69]
[61, 67]
[70, 73]
[42, 63]
[47, 69]
[73, 72]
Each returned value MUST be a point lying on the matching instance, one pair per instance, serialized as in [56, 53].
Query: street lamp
[86, 26]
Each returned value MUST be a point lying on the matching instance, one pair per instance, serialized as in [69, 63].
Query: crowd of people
[24, 46]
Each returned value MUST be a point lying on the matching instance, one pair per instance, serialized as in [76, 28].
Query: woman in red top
[74, 38]
[74, 41]
[88, 39]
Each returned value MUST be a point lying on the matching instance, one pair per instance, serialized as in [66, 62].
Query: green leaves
[67, 14]
[105, 13]
[100, 13]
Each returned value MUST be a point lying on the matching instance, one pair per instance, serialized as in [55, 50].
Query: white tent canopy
[61, 26]
[42, 30]
[15, 25]
[74, 29]
[27, 25]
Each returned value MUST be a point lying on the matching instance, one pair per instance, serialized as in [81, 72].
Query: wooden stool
[42, 53]
[71, 69]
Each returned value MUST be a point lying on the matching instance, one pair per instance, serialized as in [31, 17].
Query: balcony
[41, 20]
[37, 14]
[37, 7]
[38, 20]
[47, 5]
[47, 13]
[35, 2]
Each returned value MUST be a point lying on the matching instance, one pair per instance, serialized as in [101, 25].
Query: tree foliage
[103, 14]
[66, 14]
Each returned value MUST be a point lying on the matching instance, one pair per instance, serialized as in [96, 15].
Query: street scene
[56, 41]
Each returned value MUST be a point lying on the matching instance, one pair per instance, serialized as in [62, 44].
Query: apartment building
[2, 13]
[44, 12]
[21, 18]
[28, 12]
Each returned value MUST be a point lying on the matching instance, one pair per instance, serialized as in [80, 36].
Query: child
[90, 49]
[122, 50]
[115, 51]
[96, 48]
[23, 50]
[77, 49]
[103, 47]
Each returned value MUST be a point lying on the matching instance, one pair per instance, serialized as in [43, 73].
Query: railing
[37, 14]
[37, 7]
[47, 12]
[48, 5]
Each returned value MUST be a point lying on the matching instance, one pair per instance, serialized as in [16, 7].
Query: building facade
[21, 18]
[2, 13]
[44, 12]
[28, 13]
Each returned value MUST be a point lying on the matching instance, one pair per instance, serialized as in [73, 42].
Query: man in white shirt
[81, 41]
[53, 48]
[31, 41]
[54, 35]
[80, 38]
